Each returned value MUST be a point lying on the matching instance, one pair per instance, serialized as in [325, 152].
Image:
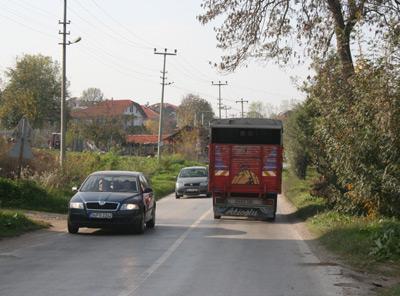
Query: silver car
[192, 181]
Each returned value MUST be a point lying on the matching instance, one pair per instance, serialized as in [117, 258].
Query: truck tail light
[269, 202]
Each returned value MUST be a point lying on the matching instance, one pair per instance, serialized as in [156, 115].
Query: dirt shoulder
[57, 222]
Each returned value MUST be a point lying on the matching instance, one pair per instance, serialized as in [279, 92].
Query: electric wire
[128, 41]
[123, 26]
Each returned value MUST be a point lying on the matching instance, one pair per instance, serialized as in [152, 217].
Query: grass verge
[14, 223]
[367, 243]
[392, 291]
[29, 195]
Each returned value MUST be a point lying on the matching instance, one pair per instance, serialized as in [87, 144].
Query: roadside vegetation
[365, 242]
[46, 187]
[13, 223]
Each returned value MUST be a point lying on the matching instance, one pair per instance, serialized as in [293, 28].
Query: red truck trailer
[245, 167]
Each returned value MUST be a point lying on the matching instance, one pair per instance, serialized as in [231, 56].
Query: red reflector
[269, 202]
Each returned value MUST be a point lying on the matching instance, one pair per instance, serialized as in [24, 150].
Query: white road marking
[145, 275]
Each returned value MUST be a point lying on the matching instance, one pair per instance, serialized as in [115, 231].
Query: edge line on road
[148, 272]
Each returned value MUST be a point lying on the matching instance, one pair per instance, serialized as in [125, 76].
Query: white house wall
[138, 117]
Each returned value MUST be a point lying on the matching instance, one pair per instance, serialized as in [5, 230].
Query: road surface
[188, 253]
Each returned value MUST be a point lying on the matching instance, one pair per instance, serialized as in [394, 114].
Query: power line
[165, 53]
[123, 71]
[29, 27]
[114, 32]
[25, 18]
[39, 10]
[121, 25]
[219, 84]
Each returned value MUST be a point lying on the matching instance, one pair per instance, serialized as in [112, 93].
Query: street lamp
[63, 80]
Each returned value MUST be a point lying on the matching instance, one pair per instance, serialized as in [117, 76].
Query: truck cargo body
[245, 167]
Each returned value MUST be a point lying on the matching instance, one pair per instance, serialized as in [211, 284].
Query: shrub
[355, 142]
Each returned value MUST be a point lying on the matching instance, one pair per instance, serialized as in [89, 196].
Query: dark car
[113, 198]
[192, 181]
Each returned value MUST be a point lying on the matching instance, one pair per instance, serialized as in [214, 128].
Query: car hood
[193, 180]
[104, 196]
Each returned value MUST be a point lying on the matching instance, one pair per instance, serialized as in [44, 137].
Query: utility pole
[64, 44]
[219, 84]
[226, 108]
[242, 101]
[163, 83]
[63, 82]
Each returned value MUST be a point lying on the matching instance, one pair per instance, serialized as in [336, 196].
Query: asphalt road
[188, 253]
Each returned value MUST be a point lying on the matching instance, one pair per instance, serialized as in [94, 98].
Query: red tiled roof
[143, 139]
[150, 114]
[105, 108]
[169, 106]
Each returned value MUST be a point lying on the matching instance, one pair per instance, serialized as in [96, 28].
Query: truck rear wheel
[217, 216]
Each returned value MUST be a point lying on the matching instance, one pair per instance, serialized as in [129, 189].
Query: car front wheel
[152, 222]
[72, 228]
[140, 225]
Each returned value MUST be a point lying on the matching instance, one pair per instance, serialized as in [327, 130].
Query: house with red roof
[129, 112]
[150, 113]
[145, 144]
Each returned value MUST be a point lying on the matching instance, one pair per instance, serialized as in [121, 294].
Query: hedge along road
[188, 253]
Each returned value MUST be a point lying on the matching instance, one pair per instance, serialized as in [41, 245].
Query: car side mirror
[148, 190]
[75, 189]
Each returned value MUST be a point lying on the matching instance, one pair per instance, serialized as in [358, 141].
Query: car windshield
[110, 183]
[190, 173]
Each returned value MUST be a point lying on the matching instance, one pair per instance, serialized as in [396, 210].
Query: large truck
[245, 167]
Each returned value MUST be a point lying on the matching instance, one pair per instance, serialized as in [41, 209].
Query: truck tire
[177, 196]
[217, 216]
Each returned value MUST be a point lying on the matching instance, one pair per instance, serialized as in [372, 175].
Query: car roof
[194, 167]
[130, 173]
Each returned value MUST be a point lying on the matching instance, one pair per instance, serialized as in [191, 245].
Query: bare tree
[91, 96]
[193, 109]
[280, 28]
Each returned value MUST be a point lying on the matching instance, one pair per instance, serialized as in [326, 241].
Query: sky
[116, 53]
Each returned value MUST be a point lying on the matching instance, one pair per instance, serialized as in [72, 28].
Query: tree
[91, 96]
[259, 109]
[32, 89]
[269, 29]
[105, 132]
[191, 109]
[151, 126]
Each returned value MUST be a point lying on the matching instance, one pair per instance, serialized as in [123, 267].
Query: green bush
[29, 195]
[50, 190]
[353, 139]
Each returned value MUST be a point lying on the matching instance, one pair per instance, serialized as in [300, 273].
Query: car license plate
[99, 215]
[192, 190]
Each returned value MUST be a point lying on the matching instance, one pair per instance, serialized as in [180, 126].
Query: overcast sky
[116, 53]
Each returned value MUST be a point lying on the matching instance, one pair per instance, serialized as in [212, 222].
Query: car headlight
[129, 206]
[179, 184]
[204, 184]
[76, 205]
